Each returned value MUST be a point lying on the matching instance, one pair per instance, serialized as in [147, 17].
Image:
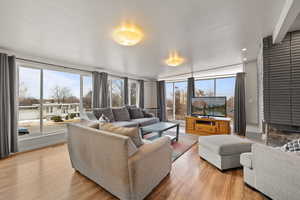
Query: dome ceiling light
[128, 34]
[174, 59]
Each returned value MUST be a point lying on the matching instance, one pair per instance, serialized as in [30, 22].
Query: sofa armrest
[150, 148]
[276, 172]
[147, 114]
[149, 165]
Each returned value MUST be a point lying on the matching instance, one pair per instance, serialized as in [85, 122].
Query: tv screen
[209, 106]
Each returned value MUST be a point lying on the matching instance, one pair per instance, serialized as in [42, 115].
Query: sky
[31, 79]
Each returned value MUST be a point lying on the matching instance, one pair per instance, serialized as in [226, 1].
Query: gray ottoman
[223, 151]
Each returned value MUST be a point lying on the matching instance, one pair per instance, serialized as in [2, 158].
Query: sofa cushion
[107, 112]
[126, 124]
[121, 114]
[136, 113]
[146, 121]
[246, 160]
[225, 144]
[132, 133]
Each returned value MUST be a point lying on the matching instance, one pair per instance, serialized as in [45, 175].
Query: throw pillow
[136, 113]
[121, 114]
[132, 133]
[293, 146]
[105, 111]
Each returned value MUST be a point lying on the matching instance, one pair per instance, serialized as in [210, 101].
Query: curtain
[190, 94]
[161, 100]
[100, 90]
[126, 95]
[239, 105]
[8, 106]
[141, 95]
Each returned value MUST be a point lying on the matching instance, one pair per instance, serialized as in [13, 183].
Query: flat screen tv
[209, 106]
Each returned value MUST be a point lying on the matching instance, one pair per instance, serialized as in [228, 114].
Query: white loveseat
[116, 164]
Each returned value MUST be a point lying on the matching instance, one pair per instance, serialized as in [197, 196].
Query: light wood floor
[47, 174]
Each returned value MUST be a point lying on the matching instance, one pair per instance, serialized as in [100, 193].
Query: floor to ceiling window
[87, 93]
[116, 92]
[48, 99]
[218, 87]
[29, 101]
[225, 87]
[133, 92]
[170, 100]
[176, 98]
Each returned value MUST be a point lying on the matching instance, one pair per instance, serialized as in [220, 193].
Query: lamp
[128, 34]
[174, 59]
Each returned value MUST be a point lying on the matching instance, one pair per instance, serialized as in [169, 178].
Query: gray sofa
[272, 172]
[116, 164]
[125, 116]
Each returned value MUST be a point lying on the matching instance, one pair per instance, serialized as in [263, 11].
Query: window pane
[180, 89]
[225, 87]
[169, 100]
[29, 102]
[87, 93]
[133, 93]
[117, 92]
[204, 87]
[61, 100]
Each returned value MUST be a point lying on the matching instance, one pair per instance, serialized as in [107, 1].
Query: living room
[133, 100]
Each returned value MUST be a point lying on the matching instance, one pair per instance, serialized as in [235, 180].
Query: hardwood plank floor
[46, 174]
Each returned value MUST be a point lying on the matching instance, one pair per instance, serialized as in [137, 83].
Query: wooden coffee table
[160, 127]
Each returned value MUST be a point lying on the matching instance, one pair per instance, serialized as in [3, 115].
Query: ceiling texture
[208, 33]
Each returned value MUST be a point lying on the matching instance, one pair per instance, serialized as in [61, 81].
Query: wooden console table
[207, 126]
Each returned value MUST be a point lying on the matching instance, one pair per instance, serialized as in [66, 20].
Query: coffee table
[160, 127]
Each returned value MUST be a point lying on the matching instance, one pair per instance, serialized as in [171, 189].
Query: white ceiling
[209, 33]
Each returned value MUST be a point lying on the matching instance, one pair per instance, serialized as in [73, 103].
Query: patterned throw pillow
[293, 146]
[132, 133]
[105, 111]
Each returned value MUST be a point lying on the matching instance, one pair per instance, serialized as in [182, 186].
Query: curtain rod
[220, 67]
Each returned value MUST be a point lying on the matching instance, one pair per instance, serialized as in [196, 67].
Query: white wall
[150, 94]
[251, 89]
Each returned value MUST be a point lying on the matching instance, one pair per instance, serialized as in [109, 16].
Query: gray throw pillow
[136, 113]
[121, 114]
[107, 112]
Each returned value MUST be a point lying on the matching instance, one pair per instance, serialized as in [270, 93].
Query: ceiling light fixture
[244, 59]
[174, 59]
[128, 34]
[244, 49]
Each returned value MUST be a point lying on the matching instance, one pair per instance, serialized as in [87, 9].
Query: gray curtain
[8, 106]
[161, 100]
[190, 94]
[239, 105]
[126, 95]
[141, 98]
[100, 90]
